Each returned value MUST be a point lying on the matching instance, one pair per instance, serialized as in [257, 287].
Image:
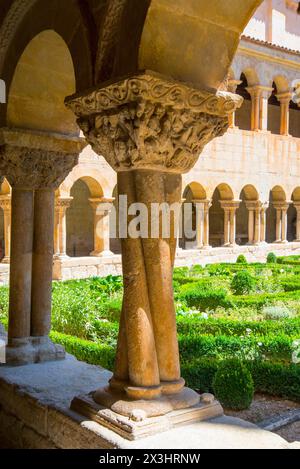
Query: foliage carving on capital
[150, 122]
[33, 168]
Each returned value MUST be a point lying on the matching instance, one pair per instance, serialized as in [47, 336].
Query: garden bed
[247, 311]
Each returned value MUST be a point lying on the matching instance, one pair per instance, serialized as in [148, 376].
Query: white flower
[204, 315]
[259, 344]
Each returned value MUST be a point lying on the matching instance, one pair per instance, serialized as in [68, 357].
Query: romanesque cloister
[110, 97]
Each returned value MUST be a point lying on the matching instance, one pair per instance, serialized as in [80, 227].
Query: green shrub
[271, 258]
[276, 379]
[233, 385]
[201, 296]
[84, 350]
[241, 259]
[276, 312]
[243, 283]
[231, 327]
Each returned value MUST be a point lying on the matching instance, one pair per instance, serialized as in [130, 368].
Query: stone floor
[35, 413]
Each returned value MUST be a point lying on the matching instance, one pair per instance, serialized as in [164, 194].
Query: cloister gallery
[111, 97]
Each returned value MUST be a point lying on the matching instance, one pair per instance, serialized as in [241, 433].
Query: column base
[101, 254]
[138, 419]
[60, 257]
[6, 260]
[30, 350]
[205, 248]
[281, 242]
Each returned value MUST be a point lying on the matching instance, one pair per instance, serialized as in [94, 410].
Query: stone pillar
[284, 99]
[151, 134]
[259, 113]
[199, 205]
[101, 209]
[5, 204]
[230, 207]
[254, 92]
[60, 226]
[34, 164]
[226, 227]
[232, 86]
[263, 222]
[257, 228]
[180, 227]
[278, 224]
[284, 223]
[297, 207]
[251, 219]
[207, 206]
[281, 221]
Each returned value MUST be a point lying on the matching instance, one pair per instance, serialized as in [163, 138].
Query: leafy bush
[271, 258]
[243, 283]
[233, 385]
[276, 312]
[90, 352]
[275, 379]
[241, 259]
[202, 297]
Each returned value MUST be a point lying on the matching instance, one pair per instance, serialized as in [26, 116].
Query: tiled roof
[271, 45]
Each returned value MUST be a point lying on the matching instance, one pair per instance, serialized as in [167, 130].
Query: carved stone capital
[62, 203]
[5, 202]
[151, 122]
[230, 205]
[35, 160]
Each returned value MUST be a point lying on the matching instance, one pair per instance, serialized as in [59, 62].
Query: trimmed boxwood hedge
[230, 327]
[273, 378]
[84, 350]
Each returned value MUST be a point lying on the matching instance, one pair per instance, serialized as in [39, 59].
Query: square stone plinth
[135, 428]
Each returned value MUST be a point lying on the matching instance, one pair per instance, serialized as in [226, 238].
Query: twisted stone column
[35, 165]
[150, 130]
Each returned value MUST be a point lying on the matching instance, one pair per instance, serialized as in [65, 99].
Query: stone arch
[43, 77]
[248, 195]
[80, 216]
[97, 183]
[292, 215]
[282, 83]
[72, 22]
[243, 114]
[223, 192]
[180, 48]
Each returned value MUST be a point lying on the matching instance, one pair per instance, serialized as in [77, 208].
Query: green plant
[233, 385]
[271, 258]
[202, 296]
[276, 312]
[241, 259]
[243, 283]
